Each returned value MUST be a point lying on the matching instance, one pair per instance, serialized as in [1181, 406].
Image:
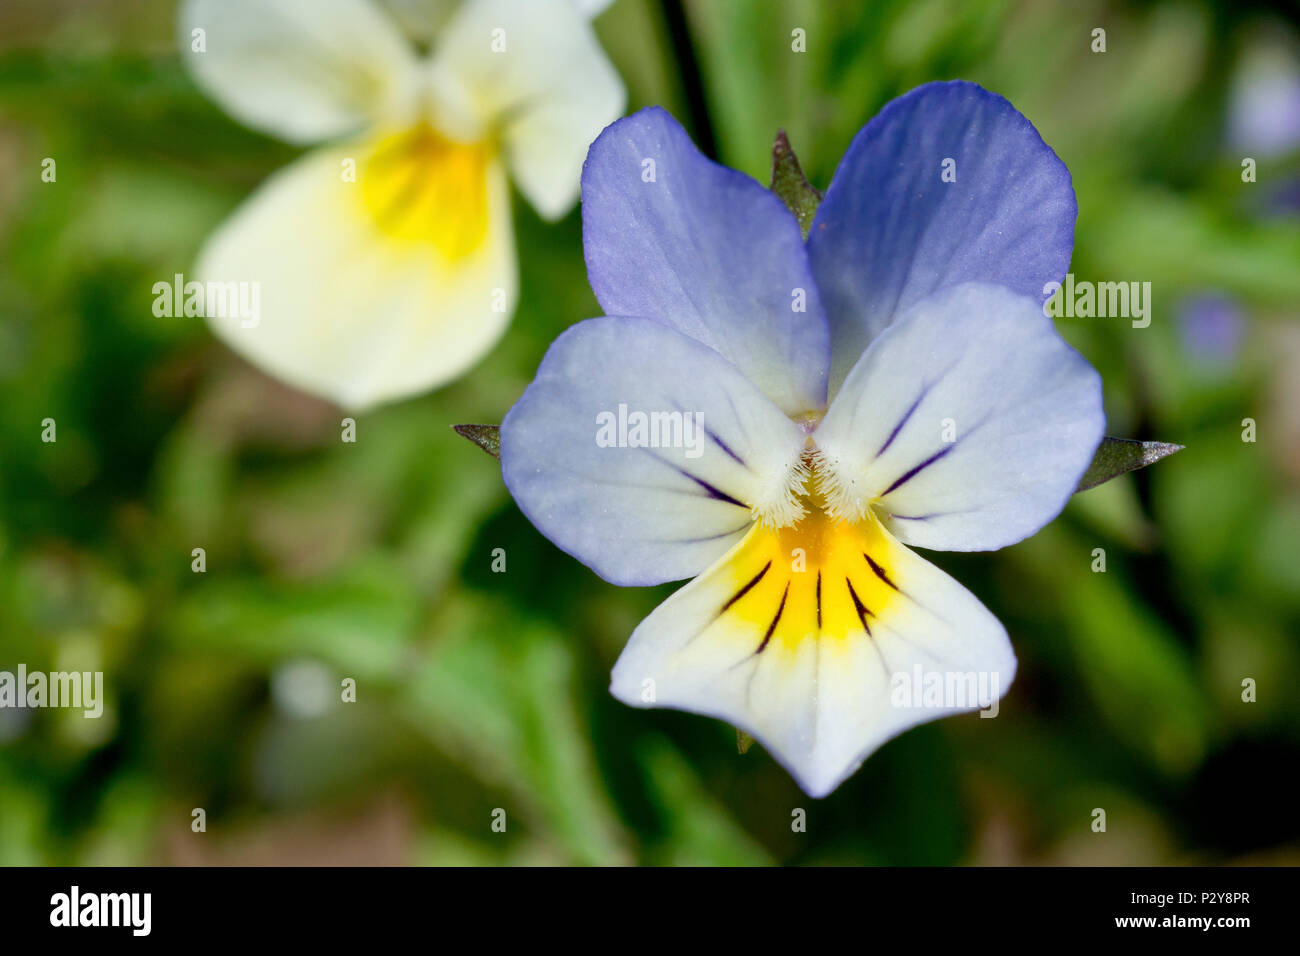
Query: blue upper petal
[891, 231]
[670, 235]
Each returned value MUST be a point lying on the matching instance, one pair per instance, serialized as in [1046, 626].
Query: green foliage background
[480, 690]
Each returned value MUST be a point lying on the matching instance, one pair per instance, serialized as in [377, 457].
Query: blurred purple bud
[1211, 326]
[1264, 104]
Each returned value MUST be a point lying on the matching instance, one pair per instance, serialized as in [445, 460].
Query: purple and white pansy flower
[784, 419]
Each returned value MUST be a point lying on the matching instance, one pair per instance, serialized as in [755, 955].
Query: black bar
[980, 906]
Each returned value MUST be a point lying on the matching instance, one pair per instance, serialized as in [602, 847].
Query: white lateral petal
[538, 78]
[352, 312]
[305, 72]
[967, 423]
[821, 660]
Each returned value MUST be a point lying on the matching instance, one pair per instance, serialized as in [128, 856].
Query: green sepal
[789, 183]
[1118, 456]
[487, 437]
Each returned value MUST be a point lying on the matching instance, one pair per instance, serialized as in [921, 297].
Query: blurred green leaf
[699, 832]
[496, 691]
[363, 620]
[1137, 672]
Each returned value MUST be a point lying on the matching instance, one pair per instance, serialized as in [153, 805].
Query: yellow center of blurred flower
[423, 187]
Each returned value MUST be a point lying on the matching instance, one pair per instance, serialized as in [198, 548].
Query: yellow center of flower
[819, 578]
[420, 186]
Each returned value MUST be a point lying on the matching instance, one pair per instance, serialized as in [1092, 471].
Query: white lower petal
[360, 308]
[821, 655]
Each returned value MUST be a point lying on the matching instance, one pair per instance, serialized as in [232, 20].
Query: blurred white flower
[384, 259]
